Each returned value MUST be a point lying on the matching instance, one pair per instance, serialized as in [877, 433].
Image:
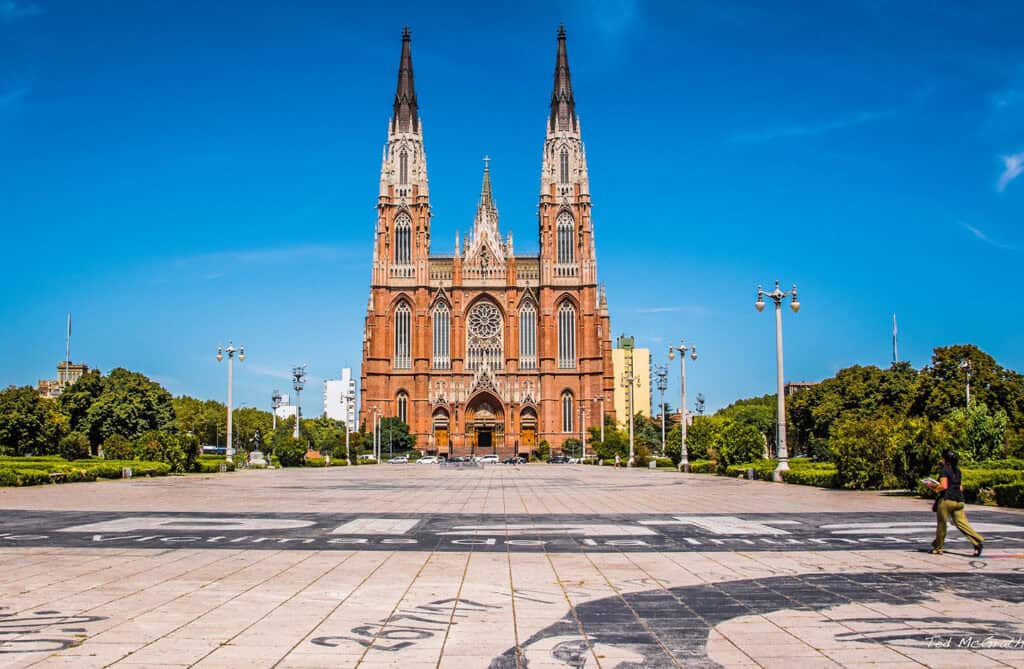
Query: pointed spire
[563, 107]
[486, 198]
[406, 113]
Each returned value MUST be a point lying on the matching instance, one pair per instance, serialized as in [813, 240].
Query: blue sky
[181, 174]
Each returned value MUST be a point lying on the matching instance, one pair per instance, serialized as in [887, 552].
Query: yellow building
[641, 383]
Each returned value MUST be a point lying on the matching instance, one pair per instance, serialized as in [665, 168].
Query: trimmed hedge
[703, 466]
[315, 462]
[665, 462]
[211, 465]
[1010, 494]
[35, 471]
[822, 477]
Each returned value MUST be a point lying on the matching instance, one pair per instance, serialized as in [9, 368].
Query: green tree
[246, 422]
[79, 396]
[572, 447]
[917, 448]
[646, 434]
[29, 424]
[864, 451]
[976, 433]
[73, 446]
[116, 447]
[942, 386]
[700, 436]
[157, 446]
[738, 443]
[129, 404]
[394, 436]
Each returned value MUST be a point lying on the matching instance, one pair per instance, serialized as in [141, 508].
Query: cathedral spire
[563, 107]
[486, 198]
[406, 113]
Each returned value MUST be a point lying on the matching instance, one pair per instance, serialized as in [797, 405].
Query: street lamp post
[350, 396]
[583, 428]
[628, 381]
[298, 382]
[966, 366]
[661, 372]
[777, 297]
[601, 400]
[230, 350]
[275, 402]
[682, 349]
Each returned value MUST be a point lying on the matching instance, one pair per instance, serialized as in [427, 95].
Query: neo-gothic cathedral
[486, 351]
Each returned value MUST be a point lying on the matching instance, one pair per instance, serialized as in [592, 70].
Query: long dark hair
[951, 458]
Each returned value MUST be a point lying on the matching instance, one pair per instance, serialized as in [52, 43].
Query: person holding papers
[950, 504]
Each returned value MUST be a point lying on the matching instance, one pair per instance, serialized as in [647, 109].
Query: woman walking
[950, 504]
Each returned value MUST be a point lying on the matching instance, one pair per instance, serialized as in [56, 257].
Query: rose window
[483, 337]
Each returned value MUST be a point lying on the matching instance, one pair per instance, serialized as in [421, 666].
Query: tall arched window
[566, 336]
[403, 407]
[528, 337]
[484, 340]
[403, 239]
[566, 411]
[565, 225]
[442, 337]
[565, 166]
[403, 168]
[403, 336]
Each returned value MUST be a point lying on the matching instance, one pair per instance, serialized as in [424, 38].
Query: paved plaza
[534, 566]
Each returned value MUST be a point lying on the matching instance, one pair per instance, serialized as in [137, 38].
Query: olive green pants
[955, 510]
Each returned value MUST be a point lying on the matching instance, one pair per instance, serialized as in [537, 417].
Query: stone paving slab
[557, 566]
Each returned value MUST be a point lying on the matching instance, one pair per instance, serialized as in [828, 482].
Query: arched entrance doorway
[527, 432]
[441, 433]
[485, 424]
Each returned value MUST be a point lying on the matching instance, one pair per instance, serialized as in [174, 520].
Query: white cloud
[980, 235]
[1013, 167]
[809, 129]
[657, 310]
[12, 9]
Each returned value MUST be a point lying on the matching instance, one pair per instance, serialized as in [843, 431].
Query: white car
[400, 460]
[428, 460]
[488, 460]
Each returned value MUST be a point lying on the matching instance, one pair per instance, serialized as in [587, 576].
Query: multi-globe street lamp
[275, 403]
[298, 382]
[350, 398]
[229, 451]
[777, 296]
[661, 373]
[682, 349]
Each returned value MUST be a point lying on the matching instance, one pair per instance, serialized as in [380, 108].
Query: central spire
[406, 112]
[486, 198]
[563, 107]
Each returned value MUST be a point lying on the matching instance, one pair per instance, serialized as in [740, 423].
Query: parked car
[488, 460]
[461, 458]
[428, 460]
[559, 460]
[210, 449]
[399, 460]
[514, 460]
[366, 456]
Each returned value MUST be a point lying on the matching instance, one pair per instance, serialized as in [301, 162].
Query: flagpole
[67, 351]
[895, 344]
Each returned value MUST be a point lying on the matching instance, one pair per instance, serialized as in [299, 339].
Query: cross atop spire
[406, 112]
[563, 107]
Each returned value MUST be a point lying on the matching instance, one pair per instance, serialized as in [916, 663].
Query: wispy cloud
[810, 129]
[980, 235]
[13, 9]
[281, 373]
[10, 98]
[1013, 167]
[214, 263]
[657, 310]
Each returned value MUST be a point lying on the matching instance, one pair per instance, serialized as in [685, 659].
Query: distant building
[340, 399]
[285, 410]
[793, 387]
[641, 384]
[67, 374]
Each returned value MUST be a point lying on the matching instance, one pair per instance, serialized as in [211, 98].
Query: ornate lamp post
[229, 451]
[601, 400]
[350, 396]
[777, 296]
[661, 373]
[275, 402]
[684, 457]
[298, 382]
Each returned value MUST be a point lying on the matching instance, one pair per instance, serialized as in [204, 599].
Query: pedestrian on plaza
[616, 460]
[950, 504]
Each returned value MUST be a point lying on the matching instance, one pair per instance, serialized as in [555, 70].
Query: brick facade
[478, 390]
